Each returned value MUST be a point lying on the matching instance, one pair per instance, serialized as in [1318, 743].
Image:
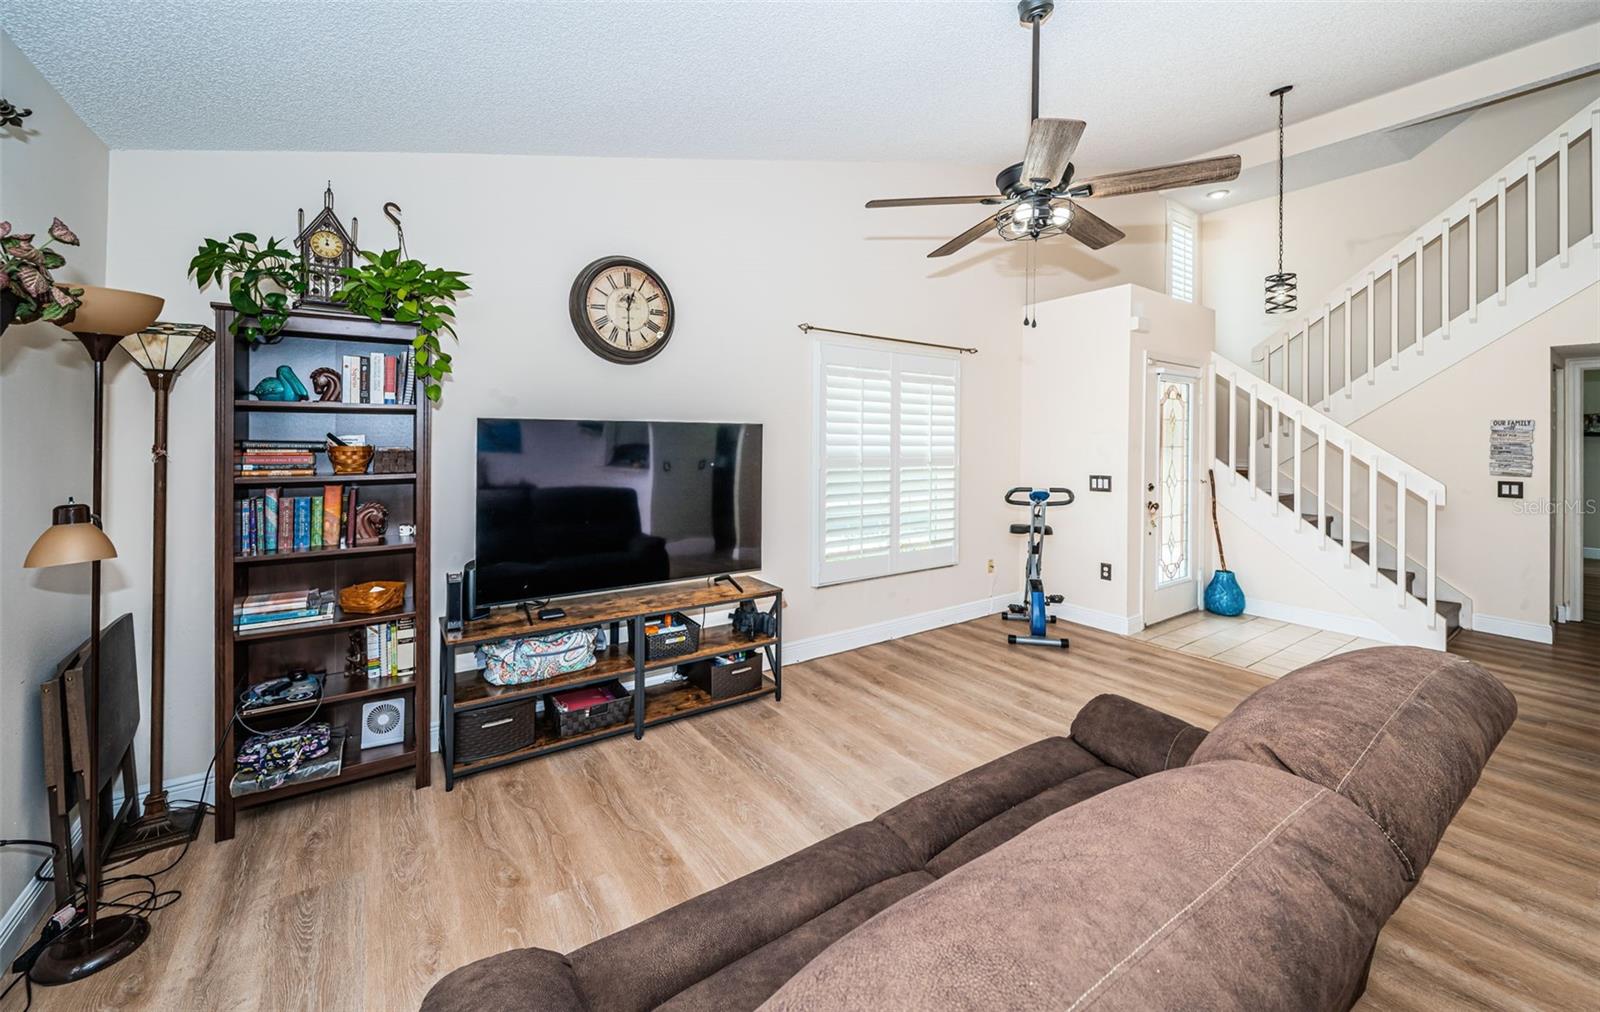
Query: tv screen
[568, 507]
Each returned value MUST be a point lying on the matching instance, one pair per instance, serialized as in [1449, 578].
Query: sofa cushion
[1400, 731]
[642, 966]
[1225, 885]
[1134, 737]
[989, 835]
[517, 979]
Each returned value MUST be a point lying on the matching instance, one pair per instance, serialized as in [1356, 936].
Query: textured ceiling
[940, 81]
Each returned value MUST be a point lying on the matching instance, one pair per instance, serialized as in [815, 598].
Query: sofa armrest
[518, 979]
[1134, 737]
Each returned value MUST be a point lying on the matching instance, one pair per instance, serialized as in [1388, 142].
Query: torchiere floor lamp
[162, 351]
[106, 316]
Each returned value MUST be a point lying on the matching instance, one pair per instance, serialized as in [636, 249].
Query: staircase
[1378, 494]
[1518, 244]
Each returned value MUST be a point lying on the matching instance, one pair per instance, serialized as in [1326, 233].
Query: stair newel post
[1322, 487]
[1400, 536]
[1394, 312]
[1444, 280]
[1233, 429]
[1500, 243]
[1255, 415]
[1344, 454]
[1532, 190]
[1374, 474]
[1563, 199]
[1372, 347]
[1349, 380]
[1472, 260]
[1433, 569]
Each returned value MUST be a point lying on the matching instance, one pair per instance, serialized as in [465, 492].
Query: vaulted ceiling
[780, 80]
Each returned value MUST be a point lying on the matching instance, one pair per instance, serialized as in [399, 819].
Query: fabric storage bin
[724, 677]
[566, 718]
[679, 634]
[495, 730]
[524, 659]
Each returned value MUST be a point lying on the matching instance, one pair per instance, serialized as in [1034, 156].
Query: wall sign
[1511, 447]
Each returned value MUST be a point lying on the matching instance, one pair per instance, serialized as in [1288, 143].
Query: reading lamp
[162, 350]
[106, 316]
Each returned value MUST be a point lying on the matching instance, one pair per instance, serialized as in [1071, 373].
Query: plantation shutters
[1183, 230]
[887, 462]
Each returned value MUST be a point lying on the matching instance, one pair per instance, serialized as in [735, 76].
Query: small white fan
[383, 722]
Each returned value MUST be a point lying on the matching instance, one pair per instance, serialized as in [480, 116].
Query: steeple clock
[325, 249]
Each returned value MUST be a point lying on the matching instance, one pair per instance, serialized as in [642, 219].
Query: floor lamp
[162, 351]
[106, 316]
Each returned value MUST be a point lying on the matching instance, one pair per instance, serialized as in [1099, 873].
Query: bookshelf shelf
[314, 338]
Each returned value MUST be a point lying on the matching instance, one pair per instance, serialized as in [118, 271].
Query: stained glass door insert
[1175, 396]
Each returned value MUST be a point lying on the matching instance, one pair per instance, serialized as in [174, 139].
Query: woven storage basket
[601, 715]
[349, 459]
[721, 681]
[495, 730]
[659, 646]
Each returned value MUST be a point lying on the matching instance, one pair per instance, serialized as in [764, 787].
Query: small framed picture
[1591, 425]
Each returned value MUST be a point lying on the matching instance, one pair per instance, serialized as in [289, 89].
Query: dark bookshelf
[312, 338]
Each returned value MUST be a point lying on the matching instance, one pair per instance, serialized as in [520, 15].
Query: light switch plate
[1099, 482]
[1509, 489]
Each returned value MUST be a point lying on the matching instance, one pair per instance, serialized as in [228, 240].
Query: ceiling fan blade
[1161, 177]
[968, 236]
[1051, 143]
[992, 198]
[1089, 228]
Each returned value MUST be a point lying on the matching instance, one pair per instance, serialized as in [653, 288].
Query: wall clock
[621, 310]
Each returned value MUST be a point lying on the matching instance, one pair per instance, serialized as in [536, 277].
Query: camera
[751, 622]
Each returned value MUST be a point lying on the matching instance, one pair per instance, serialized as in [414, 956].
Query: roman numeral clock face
[621, 310]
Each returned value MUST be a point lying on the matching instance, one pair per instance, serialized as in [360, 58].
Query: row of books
[271, 522]
[378, 379]
[391, 649]
[260, 612]
[276, 458]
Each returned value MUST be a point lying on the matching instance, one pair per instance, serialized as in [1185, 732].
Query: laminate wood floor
[361, 899]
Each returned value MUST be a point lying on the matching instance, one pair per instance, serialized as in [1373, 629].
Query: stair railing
[1461, 218]
[1273, 410]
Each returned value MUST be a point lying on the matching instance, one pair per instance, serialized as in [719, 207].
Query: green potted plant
[28, 292]
[260, 281]
[407, 291]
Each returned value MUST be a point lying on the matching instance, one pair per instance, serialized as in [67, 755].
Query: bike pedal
[1055, 599]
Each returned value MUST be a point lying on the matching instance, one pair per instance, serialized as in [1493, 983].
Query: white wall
[51, 166]
[1335, 229]
[749, 249]
[1591, 463]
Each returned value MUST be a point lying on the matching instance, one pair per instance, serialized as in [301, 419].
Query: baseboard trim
[812, 647]
[1352, 625]
[1591, 553]
[1494, 625]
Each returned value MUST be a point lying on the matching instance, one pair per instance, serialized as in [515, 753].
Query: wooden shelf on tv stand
[465, 691]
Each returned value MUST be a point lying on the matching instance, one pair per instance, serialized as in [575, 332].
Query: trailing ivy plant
[407, 291]
[27, 265]
[247, 265]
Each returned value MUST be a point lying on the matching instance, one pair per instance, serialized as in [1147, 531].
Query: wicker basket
[373, 598]
[660, 646]
[495, 730]
[601, 715]
[349, 459]
[723, 677]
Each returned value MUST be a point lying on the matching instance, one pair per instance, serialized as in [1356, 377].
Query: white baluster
[1433, 567]
[1299, 512]
[1444, 280]
[1322, 487]
[1372, 298]
[1400, 535]
[1418, 262]
[1500, 243]
[1272, 452]
[1394, 312]
[1348, 379]
[1327, 356]
[1564, 199]
[1305, 364]
[1472, 260]
[1373, 474]
[1594, 182]
[1233, 432]
[1533, 222]
[1254, 476]
[1344, 454]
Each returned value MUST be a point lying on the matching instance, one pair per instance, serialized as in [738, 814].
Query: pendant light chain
[1281, 287]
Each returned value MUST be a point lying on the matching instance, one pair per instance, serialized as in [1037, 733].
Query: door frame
[1152, 367]
[1567, 524]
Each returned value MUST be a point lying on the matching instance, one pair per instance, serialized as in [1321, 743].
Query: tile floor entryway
[1262, 645]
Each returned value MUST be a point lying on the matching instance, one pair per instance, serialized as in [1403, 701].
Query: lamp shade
[114, 311]
[71, 538]
[168, 347]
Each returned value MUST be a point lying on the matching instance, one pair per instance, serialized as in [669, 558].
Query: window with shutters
[1183, 235]
[887, 472]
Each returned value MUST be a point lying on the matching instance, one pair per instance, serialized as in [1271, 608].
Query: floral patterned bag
[520, 660]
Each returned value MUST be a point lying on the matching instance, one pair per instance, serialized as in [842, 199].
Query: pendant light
[1282, 286]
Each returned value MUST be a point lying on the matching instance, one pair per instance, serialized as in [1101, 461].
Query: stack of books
[272, 522]
[378, 379]
[260, 612]
[391, 649]
[275, 458]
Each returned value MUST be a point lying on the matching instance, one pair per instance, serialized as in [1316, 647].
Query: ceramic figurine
[286, 386]
[326, 383]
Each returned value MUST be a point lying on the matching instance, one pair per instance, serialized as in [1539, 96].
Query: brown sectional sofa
[1138, 864]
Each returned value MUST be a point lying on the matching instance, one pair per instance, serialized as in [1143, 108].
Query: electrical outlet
[1105, 570]
[1099, 482]
[991, 565]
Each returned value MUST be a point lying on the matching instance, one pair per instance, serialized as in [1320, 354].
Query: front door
[1171, 495]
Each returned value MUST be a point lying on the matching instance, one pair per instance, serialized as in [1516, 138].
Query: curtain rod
[808, 328]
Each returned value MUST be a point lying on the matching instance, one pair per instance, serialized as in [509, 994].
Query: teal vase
[1223, 595]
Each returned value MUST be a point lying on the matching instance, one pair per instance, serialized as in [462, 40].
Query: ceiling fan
[1038, 193]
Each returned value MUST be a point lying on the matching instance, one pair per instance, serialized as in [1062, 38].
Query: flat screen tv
[571, 507]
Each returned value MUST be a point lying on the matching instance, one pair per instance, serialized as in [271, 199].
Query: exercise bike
[1035, 605]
